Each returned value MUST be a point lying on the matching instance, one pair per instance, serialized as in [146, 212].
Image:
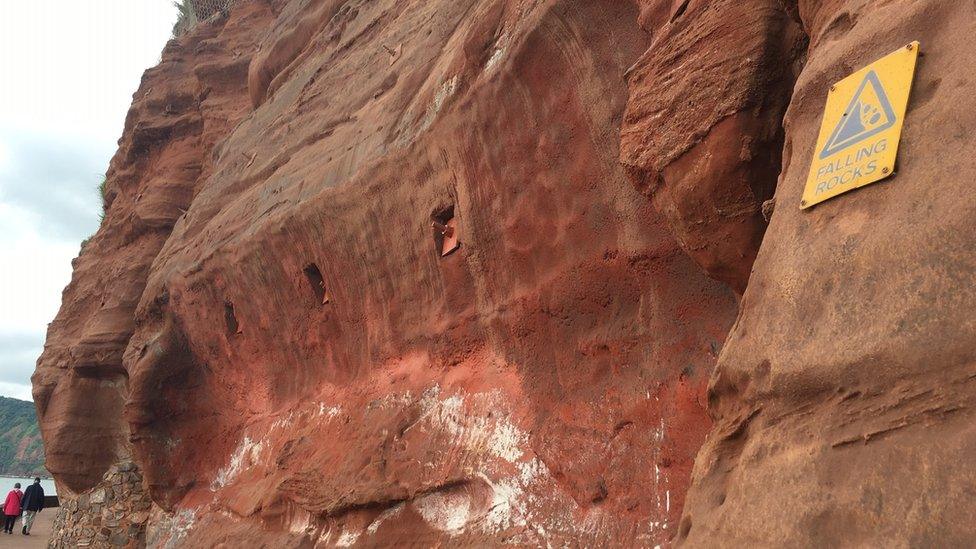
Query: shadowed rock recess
[488, 272]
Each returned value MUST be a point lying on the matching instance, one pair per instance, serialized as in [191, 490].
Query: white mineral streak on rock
[330, 412]
[282, 422]
[247, 454]
[179, 525]
[520, 484]
[447, 512]
[390, 513]
[475, 431]
[320, 410]
[495, 59]
[507, 441]
[348, 539]
[445, 92]
[501, 48]
[505, 510]
[300, 522]
[394, 400]
[513, 495]
[666, 504]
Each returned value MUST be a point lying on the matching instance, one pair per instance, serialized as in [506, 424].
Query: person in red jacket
[11, 508]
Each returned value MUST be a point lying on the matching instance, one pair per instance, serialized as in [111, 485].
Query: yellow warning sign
[861, 127]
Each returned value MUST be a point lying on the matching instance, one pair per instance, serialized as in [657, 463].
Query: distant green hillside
[21, 452]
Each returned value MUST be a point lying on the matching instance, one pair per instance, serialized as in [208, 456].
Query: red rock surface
[182, 109]
[543, 383]
[267, 321]
[844, 395]
[703, 130]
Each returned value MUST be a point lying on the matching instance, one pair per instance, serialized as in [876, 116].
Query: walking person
[11, 508]
[32, 504]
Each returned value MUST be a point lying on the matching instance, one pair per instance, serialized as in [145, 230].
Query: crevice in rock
[680, 10]
[230, 319]
[444, 228]
[316, 283]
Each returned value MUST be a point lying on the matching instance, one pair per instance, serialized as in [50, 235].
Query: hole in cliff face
[316, 283]
[444, 226]
[230, 319]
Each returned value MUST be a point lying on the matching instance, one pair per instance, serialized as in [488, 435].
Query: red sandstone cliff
[844, 395]
[266, 324]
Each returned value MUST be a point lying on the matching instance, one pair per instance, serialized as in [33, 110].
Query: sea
[7, 484]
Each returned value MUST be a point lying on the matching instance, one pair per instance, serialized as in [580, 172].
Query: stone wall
[113, 514]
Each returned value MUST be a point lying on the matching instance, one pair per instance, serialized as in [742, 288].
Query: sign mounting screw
[910, 47]
[886, 170]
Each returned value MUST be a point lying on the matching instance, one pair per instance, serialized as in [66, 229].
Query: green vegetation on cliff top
[21, 451]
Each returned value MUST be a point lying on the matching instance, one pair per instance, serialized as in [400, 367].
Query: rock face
[457, 272]
[297, 359]
[703, 130]
[180, 112]
[844, 395]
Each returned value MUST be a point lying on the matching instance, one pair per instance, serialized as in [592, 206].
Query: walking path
[39, 534]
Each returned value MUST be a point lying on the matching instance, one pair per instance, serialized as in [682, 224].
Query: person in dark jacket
[32, 504]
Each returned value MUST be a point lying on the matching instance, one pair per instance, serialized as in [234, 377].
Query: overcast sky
[68, 70]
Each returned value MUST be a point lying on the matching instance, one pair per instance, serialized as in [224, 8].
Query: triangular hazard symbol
[868, 114]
